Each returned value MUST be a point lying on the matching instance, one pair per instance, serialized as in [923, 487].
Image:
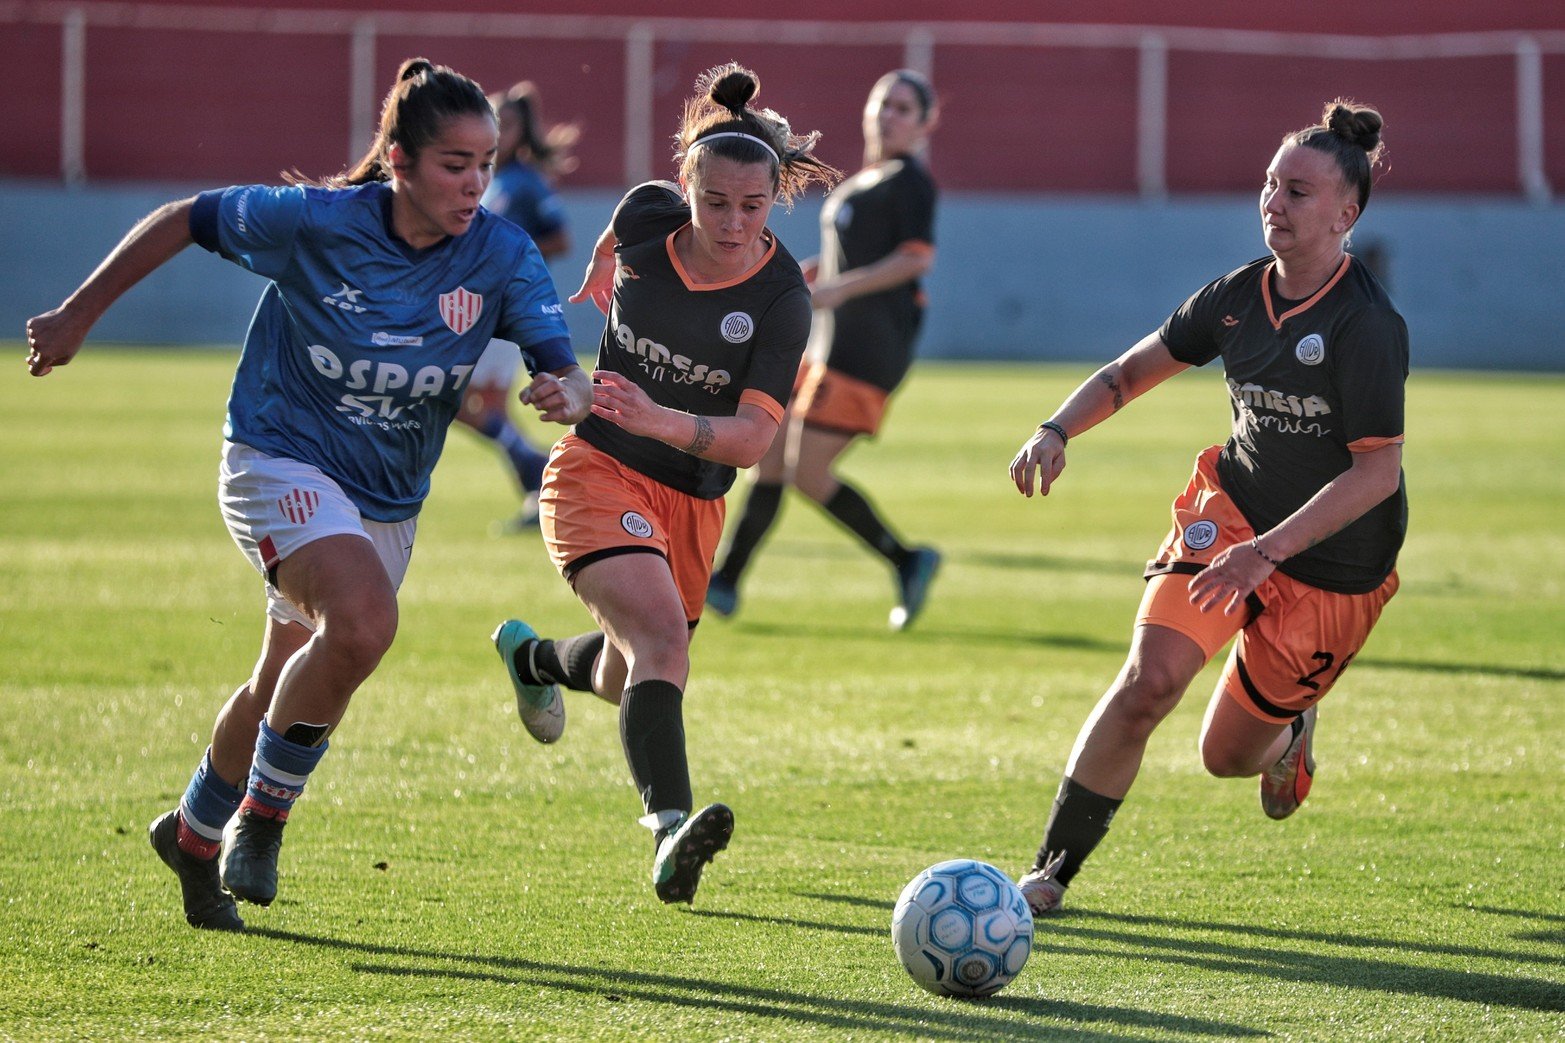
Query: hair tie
[738, 134]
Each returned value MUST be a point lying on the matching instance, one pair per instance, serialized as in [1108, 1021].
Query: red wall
[215, 107]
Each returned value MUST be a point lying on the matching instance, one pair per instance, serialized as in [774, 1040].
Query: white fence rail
[918, 41]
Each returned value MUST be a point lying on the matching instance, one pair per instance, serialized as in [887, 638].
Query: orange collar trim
[1266, 292]
[700, 287]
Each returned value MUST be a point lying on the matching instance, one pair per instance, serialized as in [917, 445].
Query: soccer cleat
[540, 706]
[524, 520]
[686, 850]
[248, 863]
[1043, 892]
[722, 597]
[207, 905]
[1285, 784]
[913, 580]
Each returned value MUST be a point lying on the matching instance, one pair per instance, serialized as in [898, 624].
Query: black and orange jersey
[702, 348]
[1310, 382]
[882, 208]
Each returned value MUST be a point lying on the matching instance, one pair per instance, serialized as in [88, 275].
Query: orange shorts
[593, 507]
[1295, 640]
[838, 402]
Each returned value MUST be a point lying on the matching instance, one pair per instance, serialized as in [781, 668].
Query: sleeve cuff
[203, 220]
[550, 355]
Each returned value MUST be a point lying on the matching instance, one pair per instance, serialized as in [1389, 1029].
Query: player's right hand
[53, 339]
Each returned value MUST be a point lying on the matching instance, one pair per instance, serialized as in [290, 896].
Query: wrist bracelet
[1057, 429]
[1256, 546]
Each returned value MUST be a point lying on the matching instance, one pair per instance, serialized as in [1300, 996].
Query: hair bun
[1358, 124]
[733, 87]
[412, 67]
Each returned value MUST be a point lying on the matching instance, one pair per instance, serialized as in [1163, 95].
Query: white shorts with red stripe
[273, 506]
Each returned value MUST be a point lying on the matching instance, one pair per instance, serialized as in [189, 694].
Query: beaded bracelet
[1255, 545]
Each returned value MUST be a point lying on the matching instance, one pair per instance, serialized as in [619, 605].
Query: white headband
[737, 134]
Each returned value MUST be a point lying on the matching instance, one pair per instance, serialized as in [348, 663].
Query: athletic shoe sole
[539, 705]
[685, 852]
[1285, 784]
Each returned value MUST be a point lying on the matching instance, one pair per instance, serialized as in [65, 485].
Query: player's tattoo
[703, 438]
[1113, 385]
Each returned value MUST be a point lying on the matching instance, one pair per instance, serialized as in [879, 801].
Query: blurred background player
[529, 162]
[1288, 534]
[708, 316]
[387, 281]
[877, 241]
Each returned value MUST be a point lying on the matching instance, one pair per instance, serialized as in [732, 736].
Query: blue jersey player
[386, 284]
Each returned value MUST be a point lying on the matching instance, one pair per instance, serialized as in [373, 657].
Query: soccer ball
[961, 928]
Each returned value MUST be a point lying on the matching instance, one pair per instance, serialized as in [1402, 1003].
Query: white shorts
[273, 506]
[496, 367]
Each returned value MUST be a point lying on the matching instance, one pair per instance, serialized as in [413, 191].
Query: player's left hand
[1231, 577]
[623, 403]
[1040, 459]
[560, 398]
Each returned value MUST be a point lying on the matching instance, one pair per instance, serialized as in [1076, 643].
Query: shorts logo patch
[636, 525]
[1311, 350]
[299, 505]
[737, 327]
[1200, 535]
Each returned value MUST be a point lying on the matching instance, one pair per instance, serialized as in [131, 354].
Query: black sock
[652, 730]
[850, 508]
[568, 661]
[760, 513]
[1079, 820]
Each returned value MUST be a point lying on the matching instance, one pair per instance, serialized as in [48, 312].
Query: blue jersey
[361, 346]
[520, 194]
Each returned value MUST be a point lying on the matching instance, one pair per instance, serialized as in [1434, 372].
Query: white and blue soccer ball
[962, 928]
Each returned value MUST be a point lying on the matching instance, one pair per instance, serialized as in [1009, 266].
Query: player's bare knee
[360, 638]
[1225, 763]
[1143, 697]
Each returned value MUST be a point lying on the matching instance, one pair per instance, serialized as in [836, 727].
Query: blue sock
[208, 804]
[278, 774]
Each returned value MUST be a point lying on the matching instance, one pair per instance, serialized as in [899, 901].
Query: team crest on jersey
[737, 327]
[1200, 535]
[636, 525]
[461, 308]
[299, 505]
[1311, 350]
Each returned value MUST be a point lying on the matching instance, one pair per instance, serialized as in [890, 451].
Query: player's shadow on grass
[932, 634]
[1299, 956]
[1296, 955]
[1010, 561]
[958, 1021]
[1531, 673]
[1553, 935]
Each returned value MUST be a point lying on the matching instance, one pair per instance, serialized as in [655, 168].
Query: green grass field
[447, 877]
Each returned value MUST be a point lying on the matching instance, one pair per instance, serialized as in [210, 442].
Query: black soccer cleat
[249, 861]
[685, 851]
[207, 905]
